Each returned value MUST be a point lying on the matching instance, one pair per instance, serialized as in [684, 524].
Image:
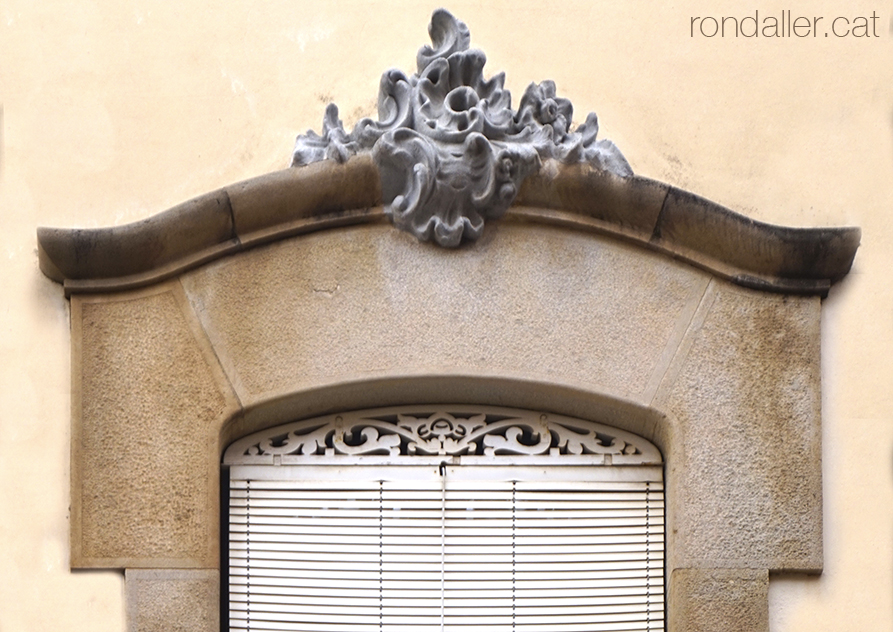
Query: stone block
[628, 204]
[745, 393]
[797, 260]
[147, 404]
[718, 600]
[547, 305]
[172, 600]
[269, 205]
[205, 222]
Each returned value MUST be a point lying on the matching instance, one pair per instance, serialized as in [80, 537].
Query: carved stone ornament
[402, 434]
[450, 150]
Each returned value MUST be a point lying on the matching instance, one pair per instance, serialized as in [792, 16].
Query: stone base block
[172, 600]
[719, 600]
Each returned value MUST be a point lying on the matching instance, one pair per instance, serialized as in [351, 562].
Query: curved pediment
[328, 195]
[447, 153]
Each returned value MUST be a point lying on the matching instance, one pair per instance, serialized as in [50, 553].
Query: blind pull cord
[248, 551]
[380, 556]
[443, 471]
[513, 555]
[648, 553]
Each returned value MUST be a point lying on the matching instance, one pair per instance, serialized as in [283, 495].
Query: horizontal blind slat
[454, 520]
[468, 585]
[433, 574]
[413, 592]
[462, 545]
[472, 564]
[298, 549]
[277, 626]
[583, 603]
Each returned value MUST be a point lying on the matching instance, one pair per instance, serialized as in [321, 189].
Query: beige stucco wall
[114, 111]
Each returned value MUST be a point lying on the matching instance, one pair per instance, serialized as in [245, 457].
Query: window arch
[445, 518]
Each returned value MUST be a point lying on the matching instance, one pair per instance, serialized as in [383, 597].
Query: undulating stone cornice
[328, 195]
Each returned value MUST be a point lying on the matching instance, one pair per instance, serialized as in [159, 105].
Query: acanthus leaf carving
[450, 150]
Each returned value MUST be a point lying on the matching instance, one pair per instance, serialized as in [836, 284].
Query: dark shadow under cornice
[328, 195]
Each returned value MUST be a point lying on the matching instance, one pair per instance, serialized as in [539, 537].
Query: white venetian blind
[426, 548]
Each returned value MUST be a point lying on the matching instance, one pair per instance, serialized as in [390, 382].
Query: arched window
[445, 518]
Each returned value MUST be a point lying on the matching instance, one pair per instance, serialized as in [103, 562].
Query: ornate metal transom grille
[445, 518]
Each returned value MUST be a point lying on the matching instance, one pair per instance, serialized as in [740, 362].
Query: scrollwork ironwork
[490, 433]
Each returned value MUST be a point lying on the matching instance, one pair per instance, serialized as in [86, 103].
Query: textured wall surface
[745, 391]
[727, 599]
[172, 600]
[147, 409]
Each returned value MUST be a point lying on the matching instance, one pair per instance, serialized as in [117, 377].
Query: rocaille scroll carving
[440, 433]
[450, 149]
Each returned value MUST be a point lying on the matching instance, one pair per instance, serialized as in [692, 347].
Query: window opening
[498, 520]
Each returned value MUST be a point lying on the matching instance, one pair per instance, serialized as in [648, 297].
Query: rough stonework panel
[746, 484]
[172, 600]
[718, 600]
[544, 304]
[146, 410]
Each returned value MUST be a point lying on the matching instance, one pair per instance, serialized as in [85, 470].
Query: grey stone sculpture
[450, 149]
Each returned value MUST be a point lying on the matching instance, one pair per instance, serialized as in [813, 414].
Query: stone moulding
[328, 195]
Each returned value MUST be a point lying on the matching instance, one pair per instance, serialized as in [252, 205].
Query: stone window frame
[762, 276]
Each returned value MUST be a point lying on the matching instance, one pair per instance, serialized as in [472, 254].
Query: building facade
[112, 114]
